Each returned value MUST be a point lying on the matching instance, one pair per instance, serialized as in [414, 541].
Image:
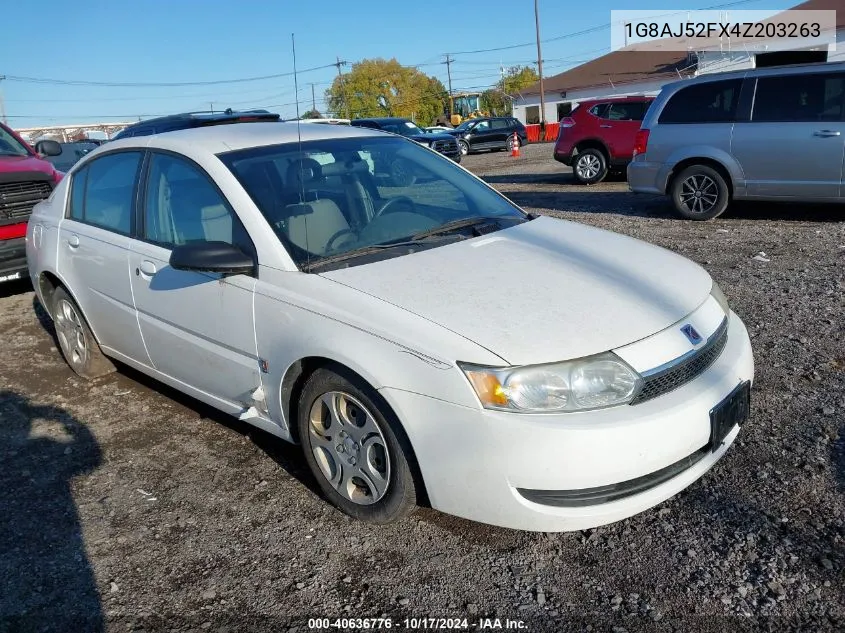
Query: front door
[93, 255]
[793, 146]
[197, 327]
[480, 136]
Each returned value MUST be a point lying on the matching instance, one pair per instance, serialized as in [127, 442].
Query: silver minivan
[765, 134]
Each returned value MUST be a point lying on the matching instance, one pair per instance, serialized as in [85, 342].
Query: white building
[644, 70]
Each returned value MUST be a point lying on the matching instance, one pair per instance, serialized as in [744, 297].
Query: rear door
[499, 132]
[93, 256]
[197, 326]
[794, 143]
[620, 122]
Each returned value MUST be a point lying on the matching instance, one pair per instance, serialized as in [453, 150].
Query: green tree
[380, 87]
[312, 114]
[498, 99]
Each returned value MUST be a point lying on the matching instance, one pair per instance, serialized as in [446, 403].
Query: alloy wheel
[70, 333]
[349, 447]
[588, 167]
[699, 193]
[464, 147]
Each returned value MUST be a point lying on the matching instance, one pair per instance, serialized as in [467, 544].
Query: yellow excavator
[463, 106]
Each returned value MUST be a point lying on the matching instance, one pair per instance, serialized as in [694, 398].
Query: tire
[360, 457]
[590, 166]
[700, 192]
[509, 144]
[463, 146]
[79, 347]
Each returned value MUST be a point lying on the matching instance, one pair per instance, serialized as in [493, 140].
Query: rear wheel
[77, 342]
[700, 193]
[590, 166]
[355, 448]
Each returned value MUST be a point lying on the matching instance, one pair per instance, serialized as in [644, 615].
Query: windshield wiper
[455, 225]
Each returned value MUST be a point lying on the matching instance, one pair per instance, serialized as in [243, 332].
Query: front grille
[18, 198]
[445, 147]
[685, 369]
[613, 492]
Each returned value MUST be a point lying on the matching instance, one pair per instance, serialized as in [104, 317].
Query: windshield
[405, 128]
[466, 125]
[340, 196]
[10, 146]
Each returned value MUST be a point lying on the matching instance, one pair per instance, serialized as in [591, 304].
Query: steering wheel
[336, 237]
[393, 201]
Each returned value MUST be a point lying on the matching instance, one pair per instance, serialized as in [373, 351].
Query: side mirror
[48, 148]
[212, 257]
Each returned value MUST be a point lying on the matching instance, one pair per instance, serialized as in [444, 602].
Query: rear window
[626, 111]
[807, 98]
[598, 110]
[711, 102]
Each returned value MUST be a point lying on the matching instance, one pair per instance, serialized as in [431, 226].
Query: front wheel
[355, 448]
[590, 166]
[463, 146]
[700, 193]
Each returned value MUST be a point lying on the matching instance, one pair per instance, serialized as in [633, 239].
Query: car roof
[789, 69]
[217, 139]
[383, 119]
[183, 120]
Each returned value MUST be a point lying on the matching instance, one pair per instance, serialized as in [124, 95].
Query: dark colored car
[71, 153]
[25, 180]
[440, 142]
[598, 136]
[493, 133]
[188, 120]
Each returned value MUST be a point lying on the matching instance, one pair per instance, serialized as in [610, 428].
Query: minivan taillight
[567, 121]
[640, 142]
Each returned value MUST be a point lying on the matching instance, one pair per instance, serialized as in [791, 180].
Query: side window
[500, 124]
[77, 195]
[626, 111]
[481, 126]
[808, 98]
[104, 192]
[182, 205]
[711, 102]
[598, 110]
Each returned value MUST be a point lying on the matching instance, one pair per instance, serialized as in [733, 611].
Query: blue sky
[178, 41]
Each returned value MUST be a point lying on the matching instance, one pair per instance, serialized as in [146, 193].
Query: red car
[598, 136]
[25, 180]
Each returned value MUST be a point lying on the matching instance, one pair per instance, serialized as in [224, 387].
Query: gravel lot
[127, 506]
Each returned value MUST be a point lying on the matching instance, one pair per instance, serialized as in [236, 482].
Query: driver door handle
[607, 126]
[827, 133]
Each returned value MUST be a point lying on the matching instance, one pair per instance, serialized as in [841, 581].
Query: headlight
[719, 296]
[588, 383]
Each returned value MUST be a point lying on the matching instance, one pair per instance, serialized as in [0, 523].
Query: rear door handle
[73, 241]
[147, 269]
[607, 126]
[827, 133]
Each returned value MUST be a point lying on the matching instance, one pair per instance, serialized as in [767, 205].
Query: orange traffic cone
[514, 146]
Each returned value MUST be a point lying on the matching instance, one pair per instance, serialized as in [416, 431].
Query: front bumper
[475, 462]
[13, 259]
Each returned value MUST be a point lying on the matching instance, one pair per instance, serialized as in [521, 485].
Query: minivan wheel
[700, 193]
[77, 342]
[355, 448]
[590, 166]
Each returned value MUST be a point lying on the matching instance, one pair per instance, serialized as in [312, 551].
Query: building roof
[623, 66]
[634, 64]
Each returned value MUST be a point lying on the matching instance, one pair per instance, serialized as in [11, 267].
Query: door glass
[481, 126]
[808, 98]
[710, 102]
[109, 191]
[183, 206]
[500, 124]
[626, 111]
[77, 196]
[598, 110]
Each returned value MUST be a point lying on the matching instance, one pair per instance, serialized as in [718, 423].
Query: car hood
[542, 291]
[18, 164]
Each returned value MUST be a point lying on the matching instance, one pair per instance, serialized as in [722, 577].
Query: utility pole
[313, 100]
[342, 86]
[449, 61]
[2, 104]
[211, 105]
[540, 68]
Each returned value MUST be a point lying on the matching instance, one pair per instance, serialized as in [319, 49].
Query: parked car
[767, 134]
[489, 133]
[403, 337]
[189, 120]
[25, 179]
[443, 143]
[598, 136]
[71, 153]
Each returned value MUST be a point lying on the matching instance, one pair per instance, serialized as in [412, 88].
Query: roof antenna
[300, 159]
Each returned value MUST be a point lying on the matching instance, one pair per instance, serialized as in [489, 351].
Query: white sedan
[422, 342]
